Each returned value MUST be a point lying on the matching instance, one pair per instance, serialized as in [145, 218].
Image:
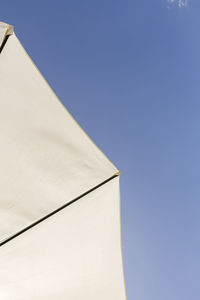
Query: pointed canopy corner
[5, 29]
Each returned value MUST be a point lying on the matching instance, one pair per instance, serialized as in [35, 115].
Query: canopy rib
[3, 43]
[57, 210]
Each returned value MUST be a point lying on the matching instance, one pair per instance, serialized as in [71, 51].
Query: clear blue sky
[129, 72]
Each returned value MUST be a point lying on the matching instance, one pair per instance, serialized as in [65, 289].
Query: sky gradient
[129, 72]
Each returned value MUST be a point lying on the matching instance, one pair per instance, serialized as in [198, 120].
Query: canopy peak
[5, 30]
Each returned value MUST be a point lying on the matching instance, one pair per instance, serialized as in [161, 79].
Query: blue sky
[129, 73]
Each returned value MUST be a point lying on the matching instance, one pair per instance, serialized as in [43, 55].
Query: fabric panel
[75, 254]
[46, 159]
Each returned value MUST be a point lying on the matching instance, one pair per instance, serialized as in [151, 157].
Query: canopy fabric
[46, 159]
[59, 194]
[79, 259]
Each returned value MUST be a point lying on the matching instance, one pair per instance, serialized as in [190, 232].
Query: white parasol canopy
[59, 194]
